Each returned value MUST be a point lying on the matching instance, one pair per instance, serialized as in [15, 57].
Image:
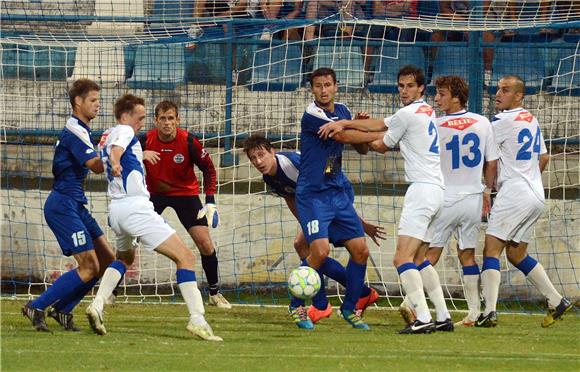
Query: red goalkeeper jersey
[174, 174]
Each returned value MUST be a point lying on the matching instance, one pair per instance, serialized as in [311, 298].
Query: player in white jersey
[467, 143]
[132, 216]
[413, 127]
[519, 202]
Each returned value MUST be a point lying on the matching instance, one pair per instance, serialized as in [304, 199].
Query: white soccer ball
[304, 282]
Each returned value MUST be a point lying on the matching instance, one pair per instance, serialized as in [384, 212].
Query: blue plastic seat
[566, 75]
[346, 61]
[452, 60]
[391, 60]
[158, 66]
[32, 62]
[276, 68]
[528, 63]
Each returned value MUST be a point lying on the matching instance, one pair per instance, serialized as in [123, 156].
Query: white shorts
[459, 216]
[422, 203]
[135, 218]
[514, 213]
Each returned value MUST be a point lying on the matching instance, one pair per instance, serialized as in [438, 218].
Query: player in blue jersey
[323, 202]
[280, 173]
[76, 231]
[413, 128]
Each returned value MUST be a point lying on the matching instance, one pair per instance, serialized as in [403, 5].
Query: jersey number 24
[525, 137]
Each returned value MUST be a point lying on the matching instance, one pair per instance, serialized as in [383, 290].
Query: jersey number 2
[525, 137]
[435, 144]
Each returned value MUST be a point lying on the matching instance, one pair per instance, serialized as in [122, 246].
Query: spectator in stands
[459, 10]
[279, 9]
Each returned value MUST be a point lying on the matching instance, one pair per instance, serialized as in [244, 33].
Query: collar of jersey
[419, 101]
[458, 113]
[514, 110]
[82, 123]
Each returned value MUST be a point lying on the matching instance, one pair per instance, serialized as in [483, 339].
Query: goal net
[236, 68]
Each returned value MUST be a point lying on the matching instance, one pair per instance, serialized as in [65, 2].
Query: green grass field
[153, 337]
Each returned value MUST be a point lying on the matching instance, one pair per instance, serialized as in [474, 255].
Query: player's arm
[291, 203]
[490, 173]
[203, 161]
[375, 232]
[356, 137]
[544, 160]
[329, 130]
[95, 165]
[115, 160]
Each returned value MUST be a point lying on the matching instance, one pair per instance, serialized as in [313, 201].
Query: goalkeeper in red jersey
[171, 181]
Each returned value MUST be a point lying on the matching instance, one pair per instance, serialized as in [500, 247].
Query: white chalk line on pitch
[416, 355]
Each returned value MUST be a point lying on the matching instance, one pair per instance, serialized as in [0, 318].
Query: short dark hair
[415, 71]
[520, 83]
[126, 103]
[256, 141]
[323, 71]
[81, 88]
[457, 87]
[164, 106]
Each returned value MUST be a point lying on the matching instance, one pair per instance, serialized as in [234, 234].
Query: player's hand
[116, 170]
[375, 232]
[362, 116]
[211, 213]
[328, 130]
[486, 204]
[151, 156]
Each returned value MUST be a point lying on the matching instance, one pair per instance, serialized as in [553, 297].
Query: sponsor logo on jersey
[88, 151]
[524, 116]
[178, 158]
[425, 109]
[166, 150]
[459, 123]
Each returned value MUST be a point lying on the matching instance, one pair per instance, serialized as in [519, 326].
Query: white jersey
[131, 182]
[414, 128]
[521, 143]
[466, 141]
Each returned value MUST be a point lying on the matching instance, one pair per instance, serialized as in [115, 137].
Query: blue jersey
[73, 150]
[321, 165]
[283, 183]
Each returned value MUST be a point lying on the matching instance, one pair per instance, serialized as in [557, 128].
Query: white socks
[542, 282]
[433, 288]
[108, 283]
[413, 286]
[490, 280]
[194, 302]
[471, 293]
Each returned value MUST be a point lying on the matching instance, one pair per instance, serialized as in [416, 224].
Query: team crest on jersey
[178, 158]
[459, 123]
[424, 109]
[524, 116]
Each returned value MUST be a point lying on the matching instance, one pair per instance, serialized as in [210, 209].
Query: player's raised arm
[366, 125]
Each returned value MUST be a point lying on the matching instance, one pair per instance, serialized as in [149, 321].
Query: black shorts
[186, 208]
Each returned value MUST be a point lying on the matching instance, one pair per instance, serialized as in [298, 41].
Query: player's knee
[515, 256]
[126, 257]
[185, 258]
[89, 268]
[361, 255]
[301, 247]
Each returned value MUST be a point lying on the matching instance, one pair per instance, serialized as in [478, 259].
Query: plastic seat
[158, 66]
[566, 79]
[100, 61]
[276, 68]
[346, 61]
[391, 60]
[528, 63]
[452, 60]
[31, 62]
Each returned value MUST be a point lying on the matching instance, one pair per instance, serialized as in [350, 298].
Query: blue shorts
[329, 214]
[72, 224]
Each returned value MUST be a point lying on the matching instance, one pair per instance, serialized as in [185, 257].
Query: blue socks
[64, 287]
[355, 274]
[67, 304]
[527, 265]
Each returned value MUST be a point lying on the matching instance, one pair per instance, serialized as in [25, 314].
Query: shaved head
[519, 84]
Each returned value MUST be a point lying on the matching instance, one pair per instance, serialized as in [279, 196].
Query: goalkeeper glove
[211, 213]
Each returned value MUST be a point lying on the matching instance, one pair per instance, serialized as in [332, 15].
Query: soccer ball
[304, 282]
